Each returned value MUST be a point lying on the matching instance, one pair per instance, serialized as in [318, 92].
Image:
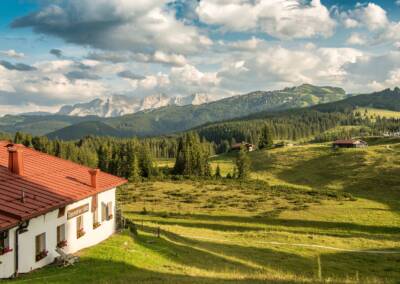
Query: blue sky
[68, 51]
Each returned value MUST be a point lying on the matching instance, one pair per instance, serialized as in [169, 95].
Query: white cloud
[174, 59]
[371, 16]
[391, 33]
[24, 108]
[12, 53]
[284, 19]
[370, 72]
[249, 44]
[356, 39]
[138, 26]
[276, 67]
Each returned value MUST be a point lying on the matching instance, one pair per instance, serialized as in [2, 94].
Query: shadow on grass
[119, 266]
[256, 259]
[342, 229]
[108, 271]
[334, 265]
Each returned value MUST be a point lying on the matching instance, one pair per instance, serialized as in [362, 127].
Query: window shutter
[43, 242]
[103, 212]
[37, 241]
[94, 203]
[109, 210]
[58, 234]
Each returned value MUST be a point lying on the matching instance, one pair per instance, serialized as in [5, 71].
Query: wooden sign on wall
[77, 211]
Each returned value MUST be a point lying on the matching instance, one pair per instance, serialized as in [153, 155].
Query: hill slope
[175, 119]
[39, 125]
[77, 131]
[331, 208]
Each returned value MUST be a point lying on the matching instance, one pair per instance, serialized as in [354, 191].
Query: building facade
[50, 205]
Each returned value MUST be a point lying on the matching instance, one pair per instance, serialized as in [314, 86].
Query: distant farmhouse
[48, 203]
[349, 144]
[248, 146]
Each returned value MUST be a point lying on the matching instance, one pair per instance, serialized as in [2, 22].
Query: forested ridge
[135, 157]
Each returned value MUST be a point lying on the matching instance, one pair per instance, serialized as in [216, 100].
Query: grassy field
[374, 113]
[309, 215]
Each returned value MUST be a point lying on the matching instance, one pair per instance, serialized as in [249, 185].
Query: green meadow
[309, 214]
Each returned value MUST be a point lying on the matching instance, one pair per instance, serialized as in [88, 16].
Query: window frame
[61, 212]
[80, 227]
[5, 242]
[40, 247]
[61, 236]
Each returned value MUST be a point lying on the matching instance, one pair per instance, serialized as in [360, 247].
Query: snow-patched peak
[119, 105]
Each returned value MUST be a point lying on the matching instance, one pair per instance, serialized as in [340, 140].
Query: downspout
[22, 228]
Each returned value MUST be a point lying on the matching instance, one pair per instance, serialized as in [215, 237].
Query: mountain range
[119, 105]
[161, 115]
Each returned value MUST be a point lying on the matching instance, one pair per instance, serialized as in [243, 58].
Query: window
[103, 212]
[41, 251]
[4, 243]
[96, 222]
[80, 232]
[61, 212]
[95, 212]
[109, 211]
[61, 241]
[106, 211]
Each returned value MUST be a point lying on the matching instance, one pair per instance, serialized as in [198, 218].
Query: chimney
[93, 177]
[15, 160]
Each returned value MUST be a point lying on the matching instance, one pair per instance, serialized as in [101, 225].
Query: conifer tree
[243, 164]
[266, 138]
[218, 172]
[135, 172]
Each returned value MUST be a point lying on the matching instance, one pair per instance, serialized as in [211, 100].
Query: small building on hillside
[349, 143]
[236, 147]
[47, 202]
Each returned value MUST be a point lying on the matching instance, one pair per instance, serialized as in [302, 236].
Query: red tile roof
[48, 183]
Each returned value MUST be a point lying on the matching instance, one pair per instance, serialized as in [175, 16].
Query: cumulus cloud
[371, 16]
[277, 66]
[138, 26]
[356, 39]
[284, 19]
[18, 66]
[12, 53]
[183, 80]
[44, 88]
[368, 68]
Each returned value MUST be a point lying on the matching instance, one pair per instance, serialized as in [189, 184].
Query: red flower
[6, 250]
[62, 244]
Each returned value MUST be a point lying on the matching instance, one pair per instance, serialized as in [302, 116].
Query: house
[47, 202]
[248, 146]
[349, 144]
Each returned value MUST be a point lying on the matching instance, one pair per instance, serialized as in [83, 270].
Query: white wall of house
[48, 224]
[7, 261]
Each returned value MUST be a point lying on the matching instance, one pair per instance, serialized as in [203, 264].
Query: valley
[308, 214]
